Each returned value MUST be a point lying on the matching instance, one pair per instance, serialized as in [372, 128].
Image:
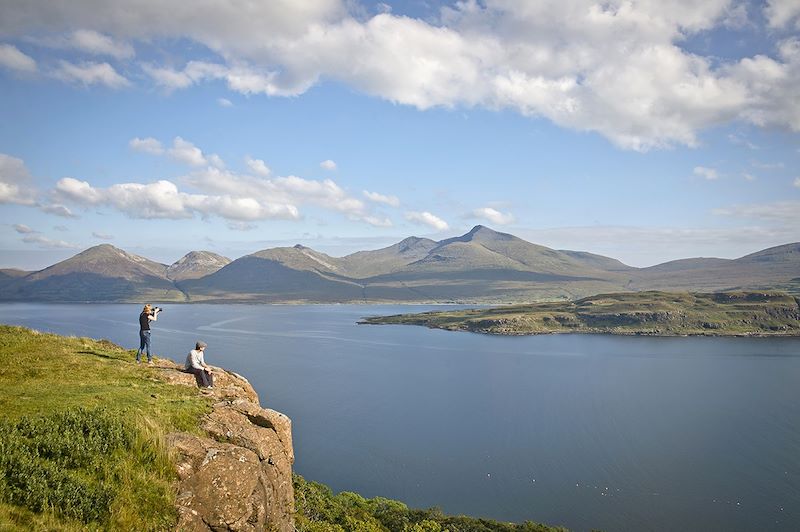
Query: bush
[72, 463]
[319, 510]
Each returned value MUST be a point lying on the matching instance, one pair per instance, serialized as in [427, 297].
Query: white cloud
[98, 44]
[426, 218]
[797, 182]
[186, 152]
[167, 78]
[23, 229]
[615, 68]
[15, 182]
[787, 212]
[90, 73]
[493, 215]
[12, 59]
[257, 166]
[241, 226]
[224, 102]
[102, 236]
[47, 243]
[58, 210]
[779, 13]
[146, 145]
[328, 165]
[392, 201]
[749, 177]
[62, 228]
[162, 199]
[289, 189]
[706, 173]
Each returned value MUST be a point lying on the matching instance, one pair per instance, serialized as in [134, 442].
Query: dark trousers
[203, 377]
[144, 343]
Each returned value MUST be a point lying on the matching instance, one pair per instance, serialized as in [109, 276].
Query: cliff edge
[238, 474]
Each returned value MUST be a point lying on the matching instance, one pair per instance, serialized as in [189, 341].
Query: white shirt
[195, 359]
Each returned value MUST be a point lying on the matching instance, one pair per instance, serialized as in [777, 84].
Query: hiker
[148, 314]
[196, 365]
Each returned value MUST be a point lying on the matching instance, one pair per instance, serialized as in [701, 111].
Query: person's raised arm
[154, 315]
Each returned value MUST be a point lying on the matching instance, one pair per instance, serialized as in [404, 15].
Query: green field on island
[641, 313]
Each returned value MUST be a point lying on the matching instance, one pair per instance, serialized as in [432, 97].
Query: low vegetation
[81, 435]
[641, 313]
[319, 510]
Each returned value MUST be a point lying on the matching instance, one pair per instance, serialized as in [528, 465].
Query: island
[652, 313]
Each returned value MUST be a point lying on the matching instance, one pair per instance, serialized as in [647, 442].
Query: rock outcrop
[238, 476]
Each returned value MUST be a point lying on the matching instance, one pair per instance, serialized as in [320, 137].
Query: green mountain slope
[481, 266]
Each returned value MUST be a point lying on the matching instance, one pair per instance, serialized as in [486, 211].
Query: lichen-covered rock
[238, 477]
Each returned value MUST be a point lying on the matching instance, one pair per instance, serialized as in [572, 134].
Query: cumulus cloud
[15, 182]
[493, 215]
[47, 243]
[90, 73]
[706, 173]
[224, 102]
[392, 201]
[426, 218]
[328, 165]
[12, 59]
[58, 210]
[291, 189]
[257, 166]
[781, 13]
[616, 68]
[186, 152]
[146, 145]
[23, 229]
[102, 236]
[162, 199]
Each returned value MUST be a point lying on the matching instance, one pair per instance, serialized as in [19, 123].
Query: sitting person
[196, 365]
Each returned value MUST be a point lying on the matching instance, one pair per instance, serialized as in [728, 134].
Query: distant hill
[196, 264]
[480, 266]
[100, 273]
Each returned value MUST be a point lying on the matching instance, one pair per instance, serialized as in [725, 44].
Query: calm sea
[616, 433]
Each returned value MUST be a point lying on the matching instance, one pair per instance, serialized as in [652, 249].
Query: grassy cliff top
[81, 435]
[645, 313]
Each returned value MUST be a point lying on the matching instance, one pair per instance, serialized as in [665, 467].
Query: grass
[645, 313]
[81, 435]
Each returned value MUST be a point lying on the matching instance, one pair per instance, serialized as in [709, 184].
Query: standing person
[148, 314]
[196, 365]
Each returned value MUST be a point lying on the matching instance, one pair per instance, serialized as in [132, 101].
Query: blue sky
[643, 131]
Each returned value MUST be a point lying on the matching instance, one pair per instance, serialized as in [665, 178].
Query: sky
[643, 130]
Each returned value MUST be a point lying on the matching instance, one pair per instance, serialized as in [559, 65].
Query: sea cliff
[238, 475]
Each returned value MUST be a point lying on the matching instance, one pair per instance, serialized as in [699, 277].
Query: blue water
[616, 433]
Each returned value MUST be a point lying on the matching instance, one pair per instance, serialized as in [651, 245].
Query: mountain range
[481, 266]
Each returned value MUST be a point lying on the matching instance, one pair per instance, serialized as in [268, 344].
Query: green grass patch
[82, 435]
